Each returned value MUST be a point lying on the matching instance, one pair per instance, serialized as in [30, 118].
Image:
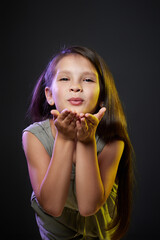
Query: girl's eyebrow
[83, 73]
[90, 73]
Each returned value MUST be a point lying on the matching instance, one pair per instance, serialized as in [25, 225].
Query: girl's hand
[65, 123]
[87, 125]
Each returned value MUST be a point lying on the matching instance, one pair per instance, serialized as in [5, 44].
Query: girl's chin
[74, 109]
[81, 110]
[78, 109]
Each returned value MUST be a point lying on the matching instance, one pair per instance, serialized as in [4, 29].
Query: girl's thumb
[101, 113]
[55, 114]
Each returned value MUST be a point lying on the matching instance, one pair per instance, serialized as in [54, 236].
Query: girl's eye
[64, 79]
[88, 80]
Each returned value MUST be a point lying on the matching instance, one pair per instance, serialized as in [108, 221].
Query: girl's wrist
[87, 141]
[64, 138]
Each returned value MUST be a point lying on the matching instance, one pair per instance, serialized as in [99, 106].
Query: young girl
[78, 151]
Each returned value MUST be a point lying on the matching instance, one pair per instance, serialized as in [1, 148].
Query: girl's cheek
[95, 93]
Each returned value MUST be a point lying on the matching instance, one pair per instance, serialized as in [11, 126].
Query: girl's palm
[87, 125]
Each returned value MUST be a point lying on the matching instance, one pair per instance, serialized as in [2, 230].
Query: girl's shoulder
[37, 127]
[42, 130]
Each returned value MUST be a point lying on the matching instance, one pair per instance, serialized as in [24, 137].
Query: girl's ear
[49, 97]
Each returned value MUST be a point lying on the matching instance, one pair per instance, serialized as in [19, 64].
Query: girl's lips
[76, 101]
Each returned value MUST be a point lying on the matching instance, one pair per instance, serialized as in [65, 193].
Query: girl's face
[75, 85]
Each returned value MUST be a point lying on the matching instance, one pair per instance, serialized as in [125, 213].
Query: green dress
[71, 225]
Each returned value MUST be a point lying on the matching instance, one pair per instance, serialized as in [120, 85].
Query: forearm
[89, 186]
[55, 186]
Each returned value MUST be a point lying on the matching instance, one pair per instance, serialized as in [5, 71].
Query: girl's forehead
[74, 62]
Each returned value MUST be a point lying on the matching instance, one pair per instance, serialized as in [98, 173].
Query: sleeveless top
[94, 225]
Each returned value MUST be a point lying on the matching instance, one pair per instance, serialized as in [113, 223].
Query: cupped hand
[65, 123]
[87, 125]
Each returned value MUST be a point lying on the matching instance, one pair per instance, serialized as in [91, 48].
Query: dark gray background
[127, 35]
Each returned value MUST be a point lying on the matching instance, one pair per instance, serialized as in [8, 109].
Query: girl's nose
[76, 88]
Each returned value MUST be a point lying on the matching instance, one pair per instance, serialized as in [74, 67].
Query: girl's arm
[95, 176]
[50, 178]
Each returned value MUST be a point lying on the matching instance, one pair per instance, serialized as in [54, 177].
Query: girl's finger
[64, 114]
[84, 124]
[55, 113]
[69, 118]
[100, 114]
[73, 123]
[80, 130]
[91, 118]
[81, 115]
[78, 124]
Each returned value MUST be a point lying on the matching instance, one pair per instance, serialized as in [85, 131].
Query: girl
[78, 151]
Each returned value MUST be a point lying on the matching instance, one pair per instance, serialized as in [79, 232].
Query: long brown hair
[113, 126]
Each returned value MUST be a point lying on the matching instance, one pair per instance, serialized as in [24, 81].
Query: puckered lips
[76, 101]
